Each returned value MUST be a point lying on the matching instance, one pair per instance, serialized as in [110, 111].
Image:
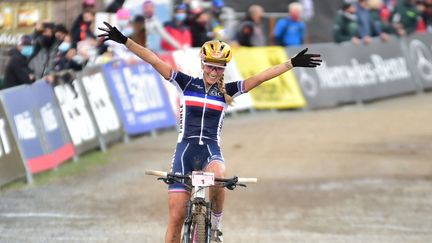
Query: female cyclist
[201, 115]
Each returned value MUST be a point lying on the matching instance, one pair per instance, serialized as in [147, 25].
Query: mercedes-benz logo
[308, 84]
[421, 55]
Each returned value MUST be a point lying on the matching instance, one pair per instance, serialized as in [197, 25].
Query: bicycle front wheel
[199, 231]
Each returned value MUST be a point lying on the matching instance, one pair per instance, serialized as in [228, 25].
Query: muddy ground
[350, 174]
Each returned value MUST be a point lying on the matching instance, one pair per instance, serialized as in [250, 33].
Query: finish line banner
[354, 73]
[278, 93]
[140, 97]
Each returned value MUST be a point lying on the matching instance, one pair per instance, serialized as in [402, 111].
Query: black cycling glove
[112, 33]
[306, 60]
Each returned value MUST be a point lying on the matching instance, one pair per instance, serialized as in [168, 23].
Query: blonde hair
[228, 98]
[295, 6]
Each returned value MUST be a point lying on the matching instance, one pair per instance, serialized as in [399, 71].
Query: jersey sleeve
[180, 80]
[235, 89]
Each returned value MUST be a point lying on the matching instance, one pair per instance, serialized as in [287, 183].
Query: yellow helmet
[216, 51]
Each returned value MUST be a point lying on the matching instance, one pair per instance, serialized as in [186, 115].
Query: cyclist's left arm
[300, 60]
[267, 74]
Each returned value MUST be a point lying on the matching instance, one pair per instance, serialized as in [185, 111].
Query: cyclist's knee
[217, 167]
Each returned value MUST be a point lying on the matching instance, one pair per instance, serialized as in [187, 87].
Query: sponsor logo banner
[139, 96]
[99, 100]
[11, 162]
[354, 73]
[38, 125]
[419, 53]
[280, 92]
[77, 115]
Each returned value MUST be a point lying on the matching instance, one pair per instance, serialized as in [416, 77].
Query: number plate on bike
[200, 178]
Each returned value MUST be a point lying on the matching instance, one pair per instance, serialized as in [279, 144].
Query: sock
[216, 220]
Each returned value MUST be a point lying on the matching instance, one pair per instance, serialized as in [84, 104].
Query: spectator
[139, 30]
[422, 18]
[41, 62]
[367, 28]
[178, 29]
[222, 21]
[345, 27]
[155, 30]
[290, 31]
[380, 16]
[60, 32]
[428, 15]
[79, 24]
[17, 70]
[199, 27]
[404, 18]
[84, 28]
[251, 31]
[66, 58]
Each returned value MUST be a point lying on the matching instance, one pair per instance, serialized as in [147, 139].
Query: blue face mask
[27, 51]
[180, 17]
[64, 46]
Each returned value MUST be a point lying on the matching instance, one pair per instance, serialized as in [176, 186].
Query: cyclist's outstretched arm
[112, 33]
[300, 60]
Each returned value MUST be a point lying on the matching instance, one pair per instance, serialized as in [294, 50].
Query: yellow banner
[278, 93]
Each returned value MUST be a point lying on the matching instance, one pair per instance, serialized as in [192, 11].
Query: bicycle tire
[199, 231]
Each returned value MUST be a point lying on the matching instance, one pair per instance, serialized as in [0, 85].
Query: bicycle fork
[196, 206]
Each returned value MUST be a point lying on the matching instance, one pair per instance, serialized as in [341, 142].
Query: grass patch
[85, 163]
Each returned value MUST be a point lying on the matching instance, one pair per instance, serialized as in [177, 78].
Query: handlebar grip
[156, 173]
[247, 180]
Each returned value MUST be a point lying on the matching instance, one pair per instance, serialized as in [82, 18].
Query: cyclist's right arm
[150, 57]
[112, 33]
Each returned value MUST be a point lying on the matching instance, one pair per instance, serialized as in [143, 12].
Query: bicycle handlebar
[165, 174]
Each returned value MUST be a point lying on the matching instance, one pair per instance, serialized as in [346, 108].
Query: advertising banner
[140, 97]
[38, 125]
[77, 115]
[419, 53]
[11, 161]
[19, 17]
[99, 99]
[354, 73]
[279, 93]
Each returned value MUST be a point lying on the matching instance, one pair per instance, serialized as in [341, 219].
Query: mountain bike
[197, 224]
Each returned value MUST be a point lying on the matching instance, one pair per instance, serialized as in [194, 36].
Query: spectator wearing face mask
[67, 57]
[17, 71]
[178, 29]
[42, 59]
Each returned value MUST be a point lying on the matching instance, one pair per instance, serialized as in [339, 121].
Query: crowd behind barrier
[107, 103]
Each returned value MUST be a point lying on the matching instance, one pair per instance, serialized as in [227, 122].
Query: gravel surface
[351, 174]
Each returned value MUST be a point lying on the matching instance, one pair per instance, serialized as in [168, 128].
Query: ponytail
[221, 85]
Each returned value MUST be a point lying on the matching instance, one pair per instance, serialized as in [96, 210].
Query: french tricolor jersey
[201, 112]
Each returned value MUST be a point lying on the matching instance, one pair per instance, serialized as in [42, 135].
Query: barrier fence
[43, 126]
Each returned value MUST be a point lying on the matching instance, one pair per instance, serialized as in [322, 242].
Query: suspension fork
[208, 221]
[187, 222]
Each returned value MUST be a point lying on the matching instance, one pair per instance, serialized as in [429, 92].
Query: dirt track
[352, 174]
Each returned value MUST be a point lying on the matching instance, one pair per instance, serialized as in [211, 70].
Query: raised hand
[112, 33]
[306, 60]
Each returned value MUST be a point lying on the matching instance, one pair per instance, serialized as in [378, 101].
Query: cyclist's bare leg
[217, 194]
[177, 213]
